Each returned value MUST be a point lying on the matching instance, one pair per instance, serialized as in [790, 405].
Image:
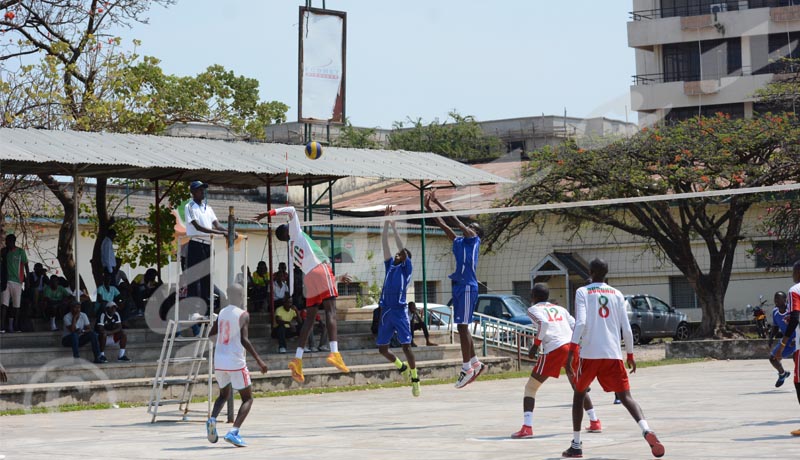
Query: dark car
[651, 317]
[504, 306]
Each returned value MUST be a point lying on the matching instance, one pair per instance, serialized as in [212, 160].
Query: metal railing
[502, 334]
[705, 8]
[779, 67]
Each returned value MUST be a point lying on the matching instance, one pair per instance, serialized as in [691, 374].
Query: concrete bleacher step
[66, 369]
[98, 390]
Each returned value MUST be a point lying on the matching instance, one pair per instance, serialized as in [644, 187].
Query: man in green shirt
[56, 297]
[15, 269]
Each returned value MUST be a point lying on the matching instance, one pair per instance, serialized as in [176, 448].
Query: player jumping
[230, 365]
[319, 285]
[394, 310]
[465, 287]
[600, 315]
[554, 331]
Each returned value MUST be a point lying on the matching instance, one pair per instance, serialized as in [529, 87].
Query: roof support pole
[158, 231]
[424, 263]
[76, 207]
[330, 215]
[270, 298]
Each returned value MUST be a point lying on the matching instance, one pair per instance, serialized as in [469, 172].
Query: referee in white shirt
[200, 220]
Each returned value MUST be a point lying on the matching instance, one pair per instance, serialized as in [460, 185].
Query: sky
[417, 58]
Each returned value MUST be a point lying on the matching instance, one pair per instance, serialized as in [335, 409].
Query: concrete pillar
[747, 56]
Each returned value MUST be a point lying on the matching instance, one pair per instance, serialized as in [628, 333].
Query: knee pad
[532, 387]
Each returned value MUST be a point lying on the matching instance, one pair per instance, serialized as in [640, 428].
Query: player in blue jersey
[393, 307]
[780, 319]
[465, 286]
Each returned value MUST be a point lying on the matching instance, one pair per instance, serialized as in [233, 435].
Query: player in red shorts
[794, 318]
[554, 330]
[600, 315]
[319, 286]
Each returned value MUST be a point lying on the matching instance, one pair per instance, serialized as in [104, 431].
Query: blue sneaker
[235, 440]
[211, 431]
[782, 378]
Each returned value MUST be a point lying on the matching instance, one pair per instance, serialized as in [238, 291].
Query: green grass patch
[342, 389]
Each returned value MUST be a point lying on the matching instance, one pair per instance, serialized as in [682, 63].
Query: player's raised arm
[438, 220]
[465, 230]
[387, 252]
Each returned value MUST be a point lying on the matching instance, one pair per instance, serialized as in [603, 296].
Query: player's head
[412, 307]
[598, 269]
[401, 256]
[476, 227]
[796, 272]
[540, 292]
[235, 294]
[780, 300]
[282, 232]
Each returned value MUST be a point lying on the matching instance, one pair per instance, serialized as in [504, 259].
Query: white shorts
[238, 379]
[13, 292]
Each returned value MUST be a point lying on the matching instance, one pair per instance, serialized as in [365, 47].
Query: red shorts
[610, 373]
[319, 284]
[550, 365]
[797, 366]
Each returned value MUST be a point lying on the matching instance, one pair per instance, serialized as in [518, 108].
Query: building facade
[701, 57]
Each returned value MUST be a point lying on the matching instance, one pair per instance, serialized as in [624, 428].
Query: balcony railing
[778, 67]
[698, 10]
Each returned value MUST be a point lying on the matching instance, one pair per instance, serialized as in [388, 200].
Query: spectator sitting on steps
[109, 327]
[78, 332]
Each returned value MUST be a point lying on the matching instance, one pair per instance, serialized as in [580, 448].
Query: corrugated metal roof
[231, 163]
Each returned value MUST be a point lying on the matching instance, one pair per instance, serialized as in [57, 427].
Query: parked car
[503, 306]
[440, 315]
[651, 318]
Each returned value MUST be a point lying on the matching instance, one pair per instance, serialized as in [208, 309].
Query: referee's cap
[197, 184]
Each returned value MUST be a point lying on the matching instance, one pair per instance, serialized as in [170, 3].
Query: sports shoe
[296, 366]
[594, 427]
[617, 401]
[782, 378]
[795, 432]
[523, 433]
[235, 439]
[335, 360]
[573, 452]
[323, 348]
[124, 358]
[405, 371]
[415, 387]
[211, 431]
[307, 350]
[477, 370]
[465, 377]
[281, 350]
[655, 445]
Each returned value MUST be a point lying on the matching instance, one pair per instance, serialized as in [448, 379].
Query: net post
[424, 264]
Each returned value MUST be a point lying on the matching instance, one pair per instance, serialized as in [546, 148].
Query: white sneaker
[465, 377]
[281, 350]
[307, 350]
[323, 348]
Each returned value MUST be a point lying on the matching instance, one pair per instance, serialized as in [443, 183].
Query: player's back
[605, 316]
[466, 251]
[229, 352]
[558, 330]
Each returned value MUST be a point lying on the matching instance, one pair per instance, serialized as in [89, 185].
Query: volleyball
[313, 150]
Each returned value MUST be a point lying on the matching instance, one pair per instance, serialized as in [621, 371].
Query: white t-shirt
[202, 213]
[553, 323]
[600, 314]
[279, 292]
[793, 303]
[229, 352]
[83, 321]
[306, 253]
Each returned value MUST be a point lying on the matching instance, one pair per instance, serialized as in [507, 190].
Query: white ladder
[188, 379]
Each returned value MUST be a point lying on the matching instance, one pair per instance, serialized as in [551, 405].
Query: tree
[698, 154]
[459, 137]
[357, 138]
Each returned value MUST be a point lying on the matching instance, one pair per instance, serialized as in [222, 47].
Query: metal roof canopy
[218, 162]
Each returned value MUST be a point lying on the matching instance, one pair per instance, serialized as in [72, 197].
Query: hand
[3, 376]
[388, 211]
[427, 200]
[263, 366]
[631, 364]
[570, 370]
[345, 278]
[533, 351]
[258, 217]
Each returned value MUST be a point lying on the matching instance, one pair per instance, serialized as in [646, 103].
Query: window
[354, 289]
[658, 306]
[684, 113]
[521, 288]
[710, 60]
[771, 3]
[432, 291]
[671, 8]
[775, 254]
[681, 293]
[638, 304]
[769, 52]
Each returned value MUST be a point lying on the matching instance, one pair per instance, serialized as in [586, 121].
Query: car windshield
[516, 306]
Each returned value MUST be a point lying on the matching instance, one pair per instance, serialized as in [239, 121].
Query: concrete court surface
[704, 410]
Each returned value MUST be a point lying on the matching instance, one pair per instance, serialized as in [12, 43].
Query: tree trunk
[103, 225]
[711, 293]
[66, 234]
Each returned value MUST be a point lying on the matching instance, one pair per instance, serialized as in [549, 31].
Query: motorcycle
[760, 318]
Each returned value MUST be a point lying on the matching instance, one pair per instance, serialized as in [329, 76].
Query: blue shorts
[394, 319]
[788, 351]
[465, 296]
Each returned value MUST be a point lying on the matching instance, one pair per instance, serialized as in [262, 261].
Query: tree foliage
[458, 137]
[698, 154]
[357, 138]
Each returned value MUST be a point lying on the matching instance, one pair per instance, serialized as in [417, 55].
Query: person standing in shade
[107, 256]
[600, 316]
[201, 221]
[394, 309]
[230, 364]
[319, 285]
[15, 271]
[554, 331]
[465, 287]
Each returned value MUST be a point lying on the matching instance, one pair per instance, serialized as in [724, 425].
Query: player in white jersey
[230, 365]
[319, 287]
[794, 319]
[554, 331]
[600, 314]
